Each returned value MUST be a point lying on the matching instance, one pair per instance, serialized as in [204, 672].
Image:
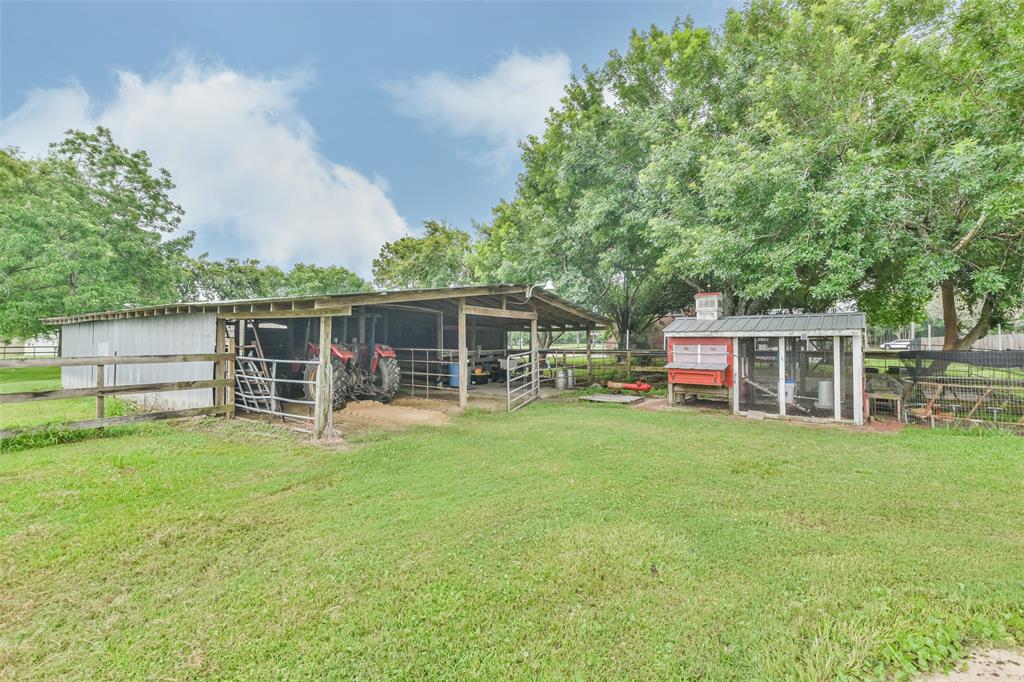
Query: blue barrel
[453, 375]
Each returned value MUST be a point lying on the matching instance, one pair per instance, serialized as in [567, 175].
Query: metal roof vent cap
[709, 305]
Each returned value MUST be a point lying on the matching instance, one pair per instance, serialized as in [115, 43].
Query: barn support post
[463, 358]
[590, 355]
[858, 379]
[322, 409]
[219, 368]
[535, 356]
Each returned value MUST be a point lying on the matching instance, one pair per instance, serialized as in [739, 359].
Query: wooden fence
[29, 352]
[223, 384]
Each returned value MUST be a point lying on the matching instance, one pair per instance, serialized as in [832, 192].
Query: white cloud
[500, 107]
[244, 158]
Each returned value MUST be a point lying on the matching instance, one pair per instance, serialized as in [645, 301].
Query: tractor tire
[340, 380]
[339, 383]
[386, 379]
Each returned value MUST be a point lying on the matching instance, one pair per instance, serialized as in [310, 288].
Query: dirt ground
[365, 415]
[652, 404]
[995, 665]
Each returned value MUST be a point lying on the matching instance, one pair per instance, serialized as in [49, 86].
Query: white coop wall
[164, 335]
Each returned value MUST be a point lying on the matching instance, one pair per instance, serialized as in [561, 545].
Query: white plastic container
[825, 395]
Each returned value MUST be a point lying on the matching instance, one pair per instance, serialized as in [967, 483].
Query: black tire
[386, 379]
[339, 383]
[309, 374]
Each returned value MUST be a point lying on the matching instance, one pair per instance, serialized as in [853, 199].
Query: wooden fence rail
[222, 384]
[29, 351]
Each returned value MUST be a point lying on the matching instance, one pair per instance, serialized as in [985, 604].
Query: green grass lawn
[565, 540]
[42, 413]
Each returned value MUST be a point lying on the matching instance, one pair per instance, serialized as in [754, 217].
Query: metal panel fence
[523, 381]
[426, 371]
[261, 388]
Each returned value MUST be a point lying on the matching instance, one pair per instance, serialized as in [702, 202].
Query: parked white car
[897, 344]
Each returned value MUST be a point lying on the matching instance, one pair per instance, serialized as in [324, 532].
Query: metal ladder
[255, 387]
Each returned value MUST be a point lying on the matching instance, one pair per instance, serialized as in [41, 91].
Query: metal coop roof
[812, 324]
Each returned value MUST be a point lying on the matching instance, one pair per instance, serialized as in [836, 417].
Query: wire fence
[949, 388]
[429, 371]
[606, 365]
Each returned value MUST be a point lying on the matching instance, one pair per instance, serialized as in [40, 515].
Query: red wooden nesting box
[700, 361]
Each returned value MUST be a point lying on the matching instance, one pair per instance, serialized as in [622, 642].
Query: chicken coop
[808, 366]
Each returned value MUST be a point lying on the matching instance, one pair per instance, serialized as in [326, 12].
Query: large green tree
[88, 228]
[582, 217]
[438, 258]
[233, 279]
[807, 155]
[831, 152]
[229, 279]
[306, 280]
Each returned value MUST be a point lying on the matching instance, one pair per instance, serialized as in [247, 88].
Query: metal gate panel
[523, 379]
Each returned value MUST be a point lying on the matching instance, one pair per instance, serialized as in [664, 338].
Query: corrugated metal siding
[172, 334]
[768, 324]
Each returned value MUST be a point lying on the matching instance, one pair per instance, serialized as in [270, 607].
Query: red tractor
[355, 374]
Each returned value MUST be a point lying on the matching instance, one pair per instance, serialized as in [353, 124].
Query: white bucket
[825, 394]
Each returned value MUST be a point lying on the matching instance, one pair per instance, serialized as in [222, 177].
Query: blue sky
[311, 131]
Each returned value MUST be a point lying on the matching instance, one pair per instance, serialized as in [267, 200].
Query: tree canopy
[88, 228]
[92, 227]
[233, 279]
[806, 155]
[440, 258]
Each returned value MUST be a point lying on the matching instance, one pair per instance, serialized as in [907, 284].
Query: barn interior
[459, 344]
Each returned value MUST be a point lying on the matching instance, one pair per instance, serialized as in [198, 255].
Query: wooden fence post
[229, 372]
[219, 368]
[101, 378]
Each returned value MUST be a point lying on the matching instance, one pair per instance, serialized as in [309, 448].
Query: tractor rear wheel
[339, 383]
[386, 379]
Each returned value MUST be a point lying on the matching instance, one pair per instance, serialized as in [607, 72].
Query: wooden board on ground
[608, 398]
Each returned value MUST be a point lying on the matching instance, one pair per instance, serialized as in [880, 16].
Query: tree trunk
[951, 320]
[547, 339]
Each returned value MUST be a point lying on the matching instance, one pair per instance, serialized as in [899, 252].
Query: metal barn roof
[823, 324]
[552, 311]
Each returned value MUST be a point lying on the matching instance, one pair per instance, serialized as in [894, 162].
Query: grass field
[566, 540]
[41, 413]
